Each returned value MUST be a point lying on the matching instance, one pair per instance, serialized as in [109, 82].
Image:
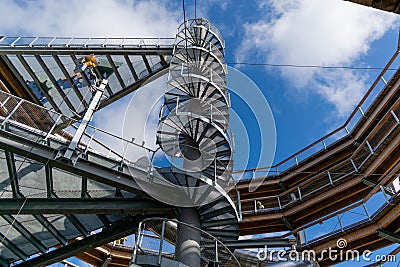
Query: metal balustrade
[333, 175]
[157, 238]
[76, 42]
[325, 142]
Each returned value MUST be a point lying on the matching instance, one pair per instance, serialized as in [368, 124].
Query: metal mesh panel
[66, 183]
[90, 221]
[37, 230]
[16, 238]
[31, 177]
[383, 131]
[317, 184]
[63, 225]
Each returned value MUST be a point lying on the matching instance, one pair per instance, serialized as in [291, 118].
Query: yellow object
[120, 241]
[90, 60]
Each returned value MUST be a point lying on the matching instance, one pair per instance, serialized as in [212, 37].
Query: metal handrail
[334, 132]
[323, 175]
[83, 42]
[163, 222]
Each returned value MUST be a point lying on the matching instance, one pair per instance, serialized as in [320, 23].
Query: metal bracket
[70, 152]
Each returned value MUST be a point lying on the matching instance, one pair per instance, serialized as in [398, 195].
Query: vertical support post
[134, 254]
[52, 128]
[369, 147]
[323, 142]
[354, 165]
[216, 252]
[239, 205]
[187, 248]
[384, 194]
[361, 111]
[330, 178]
[215, 171]
[279, 203]
[161, 242]
[383, 80]
[366, 211]
[298, 190]
[49, 181]
[340, 222]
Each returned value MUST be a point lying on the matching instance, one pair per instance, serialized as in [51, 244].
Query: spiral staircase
[193, 129]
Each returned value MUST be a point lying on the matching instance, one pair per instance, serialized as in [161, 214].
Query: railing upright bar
[12, 112]
[161, 242]
[52, 127]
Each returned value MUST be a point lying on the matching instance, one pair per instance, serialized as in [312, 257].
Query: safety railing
[45, 122]
[158, 237]
[345, 169]
[323, 143]
[201, 22]
[77, 42]
[361, 212]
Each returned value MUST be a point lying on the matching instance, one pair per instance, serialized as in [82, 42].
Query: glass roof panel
[63, 82]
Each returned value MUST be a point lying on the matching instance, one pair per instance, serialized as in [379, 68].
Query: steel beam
[49, 181]
[77, 224]
[83, 206]
[50, 228]
[146, 62]
[68, 78]
[24, 232]
[388, 235]
[12, 247]
[38, 83]
[12, 171]
[55, 84]
[162, 60]
[118, 230]
[115, 70]
[19, 79]
[131, 68]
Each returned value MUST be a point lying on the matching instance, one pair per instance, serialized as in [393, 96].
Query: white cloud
[103, 18]
[133, 117]
[314, 32]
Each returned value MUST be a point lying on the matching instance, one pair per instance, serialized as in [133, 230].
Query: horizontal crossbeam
[83, 206]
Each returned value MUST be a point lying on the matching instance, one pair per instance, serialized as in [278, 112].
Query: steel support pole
[187, 249]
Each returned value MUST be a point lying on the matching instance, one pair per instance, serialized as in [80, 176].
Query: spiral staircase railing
[194, 121]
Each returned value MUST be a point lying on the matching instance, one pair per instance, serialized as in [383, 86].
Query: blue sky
[306, 103]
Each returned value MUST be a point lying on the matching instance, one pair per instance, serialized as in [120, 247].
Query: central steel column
[187, 248]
